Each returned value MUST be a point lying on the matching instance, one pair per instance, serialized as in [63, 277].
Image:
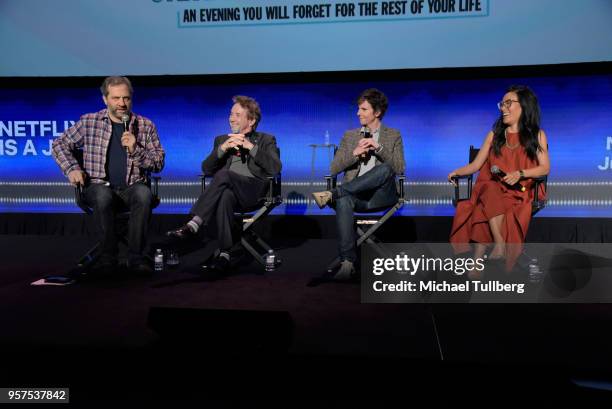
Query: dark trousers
[107, 202]
[228, 192]
[373, 191]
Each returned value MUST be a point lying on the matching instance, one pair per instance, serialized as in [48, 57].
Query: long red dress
[491, 197]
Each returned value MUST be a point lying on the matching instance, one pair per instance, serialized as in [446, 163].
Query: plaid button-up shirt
[92, 135]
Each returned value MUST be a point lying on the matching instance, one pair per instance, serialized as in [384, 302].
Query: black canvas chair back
[250, 240]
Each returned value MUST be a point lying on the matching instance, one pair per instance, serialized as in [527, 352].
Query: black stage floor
[322, 344]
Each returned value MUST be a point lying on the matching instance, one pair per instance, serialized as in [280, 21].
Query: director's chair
[250, 217]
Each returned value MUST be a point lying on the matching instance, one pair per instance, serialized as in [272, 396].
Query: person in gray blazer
[239, 162]
[370, 157]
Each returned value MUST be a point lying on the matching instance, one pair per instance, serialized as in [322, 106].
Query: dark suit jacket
[266, 161]
[392, 152]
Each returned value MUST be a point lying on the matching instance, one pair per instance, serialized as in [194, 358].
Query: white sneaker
[345, 272]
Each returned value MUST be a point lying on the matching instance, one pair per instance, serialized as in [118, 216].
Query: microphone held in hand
[241, 151]
[501, 174]
[365, 133]
[126, 119]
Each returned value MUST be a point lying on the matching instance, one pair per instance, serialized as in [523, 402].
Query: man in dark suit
[239, 162]
[370, 157]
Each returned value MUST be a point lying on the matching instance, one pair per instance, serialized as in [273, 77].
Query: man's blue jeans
[374, 191]
[107, 202]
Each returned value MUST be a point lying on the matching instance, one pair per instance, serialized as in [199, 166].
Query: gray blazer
[391, 153]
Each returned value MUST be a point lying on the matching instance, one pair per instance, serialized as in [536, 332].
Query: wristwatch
[522, 174]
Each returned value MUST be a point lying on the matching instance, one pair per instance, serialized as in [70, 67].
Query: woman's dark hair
[528, 126]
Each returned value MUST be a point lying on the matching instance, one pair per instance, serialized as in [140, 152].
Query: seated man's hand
[359, 151]
[232, 142]
[77, 177]
[369, 143]
[246, 144]
[236, 140]
[128, 140]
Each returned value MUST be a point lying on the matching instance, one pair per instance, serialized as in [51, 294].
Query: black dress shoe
[218, 265]
[181, 233]
[105, 267]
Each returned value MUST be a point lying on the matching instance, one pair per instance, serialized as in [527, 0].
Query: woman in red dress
[499, 210]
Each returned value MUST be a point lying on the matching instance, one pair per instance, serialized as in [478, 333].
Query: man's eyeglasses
[507, 103]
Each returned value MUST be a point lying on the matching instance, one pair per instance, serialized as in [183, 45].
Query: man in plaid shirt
[119, 149]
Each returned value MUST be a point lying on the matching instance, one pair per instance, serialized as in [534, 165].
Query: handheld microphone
[240, 149]
[126, 119]
[500, 173]
[365, 133]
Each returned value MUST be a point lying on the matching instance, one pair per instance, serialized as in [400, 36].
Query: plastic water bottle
[326, 140]
[159, 260]
[535, 274]
[270, 260]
